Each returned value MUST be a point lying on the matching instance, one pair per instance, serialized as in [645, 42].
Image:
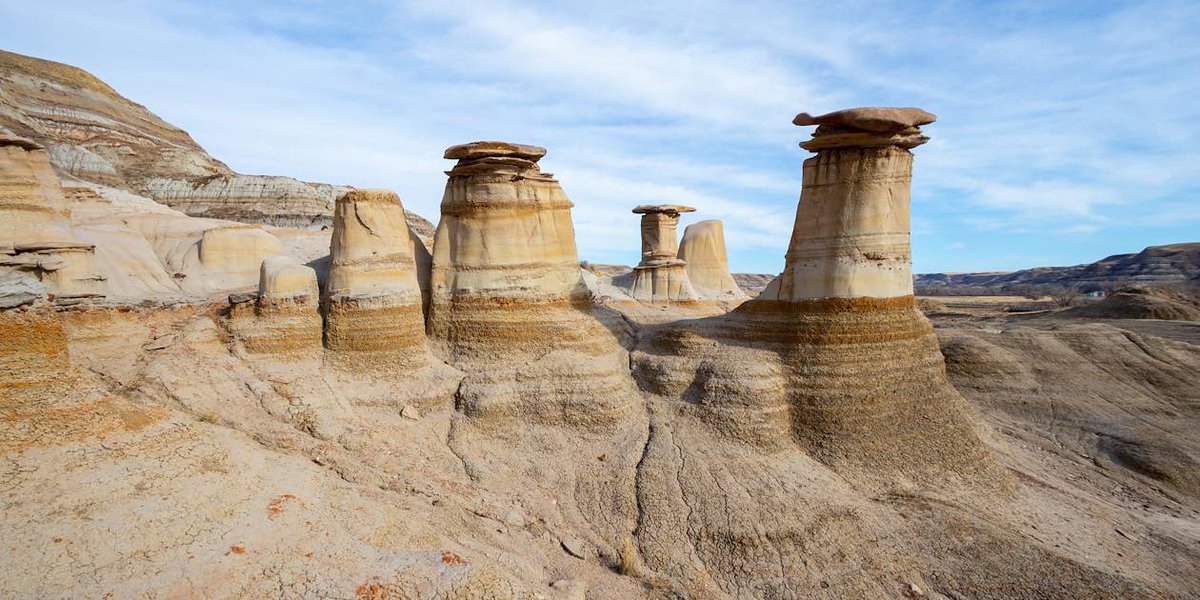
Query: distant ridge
[1157, 265]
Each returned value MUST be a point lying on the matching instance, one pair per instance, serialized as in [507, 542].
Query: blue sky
[1066, 132]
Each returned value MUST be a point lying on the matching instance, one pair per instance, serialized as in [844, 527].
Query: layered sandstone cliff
[35, 224]
[95, 135]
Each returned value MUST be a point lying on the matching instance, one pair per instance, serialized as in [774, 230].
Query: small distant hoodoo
[661, 275]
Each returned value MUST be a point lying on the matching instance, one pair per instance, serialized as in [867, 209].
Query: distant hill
[1172, 264]
[96, 136]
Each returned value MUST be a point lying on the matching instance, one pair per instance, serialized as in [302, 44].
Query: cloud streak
[1056, 123]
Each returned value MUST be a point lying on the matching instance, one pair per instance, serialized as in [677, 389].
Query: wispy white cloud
[1054, 117]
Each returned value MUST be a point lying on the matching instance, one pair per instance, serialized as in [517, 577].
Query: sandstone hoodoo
[507, 297]
[707, 264]
[35, 225]
[372, 298]
[851, 237]
[661, 276]
[859, 379]
[285, 317]
[311, 440]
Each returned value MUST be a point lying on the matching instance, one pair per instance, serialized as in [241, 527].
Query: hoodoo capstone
[507, 300]
[661, 276]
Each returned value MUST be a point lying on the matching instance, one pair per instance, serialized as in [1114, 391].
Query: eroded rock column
[661, 276]
[285, 316]
[508, 303]
[851, 237]
[372, 298]
[706, 261]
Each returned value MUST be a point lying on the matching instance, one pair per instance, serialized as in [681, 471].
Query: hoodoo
[835, 354]
[507, 297]
[707, 264]
[285, 317]
[851, 237]
[372, 299]
[660, 276]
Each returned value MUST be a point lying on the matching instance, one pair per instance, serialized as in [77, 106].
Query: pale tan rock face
[707, 263]
[371, 250]
[851, 237]
[283, 277]
[373, 301]
[507, 299]
[35, 223]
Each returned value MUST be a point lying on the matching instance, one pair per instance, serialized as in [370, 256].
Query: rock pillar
[851, 236]
[707, 262]
[661, 276]
[508, 300]
[373, 314]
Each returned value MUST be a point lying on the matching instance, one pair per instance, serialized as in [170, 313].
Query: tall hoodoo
[706, 261]
[35, 224]
[834, 355]
[372, 298]
[660, 276]
[851, 237]
[507, 297]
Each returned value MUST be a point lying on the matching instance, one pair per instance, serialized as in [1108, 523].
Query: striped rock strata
[836, 357]
[285, 316]
[372, 298]
[508, 304]
[35, 223]
[702, 250]
[94, 134]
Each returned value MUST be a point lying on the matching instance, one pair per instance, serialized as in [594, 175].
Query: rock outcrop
[1155, 266]
[35, 224]
[661, 276]
[707, 263]
[372, 298]
[94, 134]
[507, 301]
[284, 318]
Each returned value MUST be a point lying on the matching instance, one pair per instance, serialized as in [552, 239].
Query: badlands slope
[369, 418]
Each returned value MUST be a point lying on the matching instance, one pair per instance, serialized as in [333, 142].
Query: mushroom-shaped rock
[508, 299]
[660, 276]
[702, 249]
[851, 235]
